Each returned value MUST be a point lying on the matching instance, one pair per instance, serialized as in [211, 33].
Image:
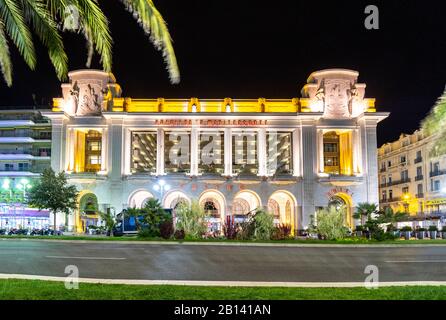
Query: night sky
[251, 49]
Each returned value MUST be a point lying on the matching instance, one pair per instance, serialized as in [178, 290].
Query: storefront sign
[436, 202]
[211, 122]
[337, 190]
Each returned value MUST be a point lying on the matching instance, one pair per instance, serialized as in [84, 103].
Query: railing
[418, 160]
[382, 170]
[26, 152]
[387, 200]
[394, 183]
[418, 178]
[437, 173]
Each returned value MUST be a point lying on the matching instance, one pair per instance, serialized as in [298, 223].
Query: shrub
[406, 228]
[179, 234]
[433, 228]
[443, 229]
[331, 223]
[166, 229]
[421, 229]
[281, 232]
[192, 219]
[230, 228]
[145, 232]
[359, 228]
[263, 225]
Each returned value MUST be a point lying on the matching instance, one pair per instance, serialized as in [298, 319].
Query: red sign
[211, 122]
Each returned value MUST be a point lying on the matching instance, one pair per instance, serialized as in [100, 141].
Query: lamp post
[161, 186]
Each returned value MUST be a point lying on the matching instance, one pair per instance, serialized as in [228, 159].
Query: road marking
[226, 283]
[85, 258]
[417, 261]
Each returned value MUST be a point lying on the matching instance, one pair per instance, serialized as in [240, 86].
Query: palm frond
[12, 15]
[5, 58]
[151, 20]
[43, 23]
[96, 30]
[435, 124]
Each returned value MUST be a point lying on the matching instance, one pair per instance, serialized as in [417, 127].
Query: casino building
[290, 156]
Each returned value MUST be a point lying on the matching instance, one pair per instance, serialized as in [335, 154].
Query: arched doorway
[342, 200]
[138, 198]
[88, 211]
[282, 204]
[213, 202]
[173, 200]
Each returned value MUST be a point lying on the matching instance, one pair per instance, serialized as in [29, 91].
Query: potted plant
[407, 231]
[359, 231]
[433, 232]
[420, 233]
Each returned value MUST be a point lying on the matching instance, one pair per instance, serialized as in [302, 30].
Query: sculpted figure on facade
[89, 93]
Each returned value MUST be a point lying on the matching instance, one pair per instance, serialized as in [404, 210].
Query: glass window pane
[279, 159]
[143, 152]
[211, 149]
[244, 153]
[177, 152]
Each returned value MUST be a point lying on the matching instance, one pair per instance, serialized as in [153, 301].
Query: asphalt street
[222, 263]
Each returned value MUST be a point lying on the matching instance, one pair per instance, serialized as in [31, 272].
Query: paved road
[221, 263]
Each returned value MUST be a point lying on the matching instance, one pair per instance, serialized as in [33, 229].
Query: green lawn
[354, 241]
[48, 290]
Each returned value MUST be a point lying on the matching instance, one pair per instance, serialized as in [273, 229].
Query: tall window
[331, 153]
[93, 149]
[279, 154]
[244, 153]
[177, 151]
[211, 150]
[338, 155]
[144, 152]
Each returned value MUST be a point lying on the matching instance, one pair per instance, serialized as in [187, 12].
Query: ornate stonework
[336, 93]
[89, 92]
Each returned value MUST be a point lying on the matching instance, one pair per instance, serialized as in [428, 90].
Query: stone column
[104, 150]
[160, 152]
[320, 150]
[194, 152]
[296, 152]
[309, 164]
[261, 152]
[228, 152]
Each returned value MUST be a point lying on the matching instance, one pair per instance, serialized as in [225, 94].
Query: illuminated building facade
[412, 179]
[289, 156]
[25, 151]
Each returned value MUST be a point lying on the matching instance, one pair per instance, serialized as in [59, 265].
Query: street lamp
[161, 186]
[23, 185]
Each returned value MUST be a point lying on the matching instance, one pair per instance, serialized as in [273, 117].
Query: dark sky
[251, 49]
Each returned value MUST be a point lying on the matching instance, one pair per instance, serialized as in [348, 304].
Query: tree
[109, 220]
[435, 124]
[364, 211]
[19, 17]
[191, 219]
[331, 223]
[53, 192]
[153, 215]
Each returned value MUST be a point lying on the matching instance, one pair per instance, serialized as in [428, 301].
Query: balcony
[436, 173]
[418, 160]
[394, 183]
[419, 195]
[388, 200]
[418, 178]
[382, 170]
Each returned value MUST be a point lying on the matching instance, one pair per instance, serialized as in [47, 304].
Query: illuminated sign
[211, 122]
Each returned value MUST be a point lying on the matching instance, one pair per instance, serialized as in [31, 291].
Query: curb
[235, 244]
[223, 283]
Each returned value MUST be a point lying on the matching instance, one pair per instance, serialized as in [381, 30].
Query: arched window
[240, 207]
[274, 208]
[210, 206]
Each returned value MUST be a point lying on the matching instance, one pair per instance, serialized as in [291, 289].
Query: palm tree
[19, 17]
[435, 123]
[364, 211]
